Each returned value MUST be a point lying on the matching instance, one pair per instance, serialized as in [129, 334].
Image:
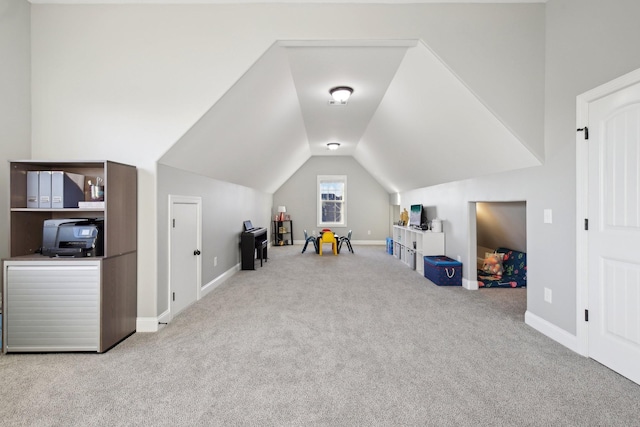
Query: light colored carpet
[354, 339]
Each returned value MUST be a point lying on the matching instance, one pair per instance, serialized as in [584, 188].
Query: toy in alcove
[404, 217]
[493, 264]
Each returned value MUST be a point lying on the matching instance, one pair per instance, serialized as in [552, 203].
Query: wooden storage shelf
[117, 284]
[282, 232]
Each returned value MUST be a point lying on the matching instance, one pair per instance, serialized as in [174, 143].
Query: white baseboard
[151, 324]
[219, 280]
[552, 331]
[165, 317]
[147, 324]
[471, 285]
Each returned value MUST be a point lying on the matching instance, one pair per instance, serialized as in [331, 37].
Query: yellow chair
[328, 237]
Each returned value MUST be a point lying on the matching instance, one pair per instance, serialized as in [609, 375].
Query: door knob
[196, 252]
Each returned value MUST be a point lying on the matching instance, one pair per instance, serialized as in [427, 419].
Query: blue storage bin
[443, 271]
[389, 245]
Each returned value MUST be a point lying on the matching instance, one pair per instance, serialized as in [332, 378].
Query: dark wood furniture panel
[118, 296]
[118, 299]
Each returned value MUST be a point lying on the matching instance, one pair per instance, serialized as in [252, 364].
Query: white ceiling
[410, 122]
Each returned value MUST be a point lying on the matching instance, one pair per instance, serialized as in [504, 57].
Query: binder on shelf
[33, 178]
[67, 189]
[44, 190]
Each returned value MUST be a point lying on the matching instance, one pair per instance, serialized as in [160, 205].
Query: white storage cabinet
[408, 242]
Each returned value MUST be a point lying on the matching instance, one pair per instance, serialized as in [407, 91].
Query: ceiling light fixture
[333, 146]
[341, 94]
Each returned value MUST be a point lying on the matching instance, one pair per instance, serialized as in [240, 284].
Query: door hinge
[586, 315]
[174, 223]
[586, 132]
[586, 223]
[174, 296]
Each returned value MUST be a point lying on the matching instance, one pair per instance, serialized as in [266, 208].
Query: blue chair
[308, 239]
[345, 239]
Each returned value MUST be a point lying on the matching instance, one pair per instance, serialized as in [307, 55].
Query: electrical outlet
[215, 261]
[548, 216]
[369, 232]
[459, 258]
[547, 295]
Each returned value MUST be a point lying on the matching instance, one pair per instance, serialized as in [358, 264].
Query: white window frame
[331, 178]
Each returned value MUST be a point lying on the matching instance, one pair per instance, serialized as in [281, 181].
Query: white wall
[367, 201]
[224, 207]
[589, 42]
[15, 99]
[125, 82]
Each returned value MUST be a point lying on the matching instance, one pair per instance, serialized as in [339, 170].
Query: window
[332, 200]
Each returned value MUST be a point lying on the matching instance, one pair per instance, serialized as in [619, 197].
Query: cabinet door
[51, 306]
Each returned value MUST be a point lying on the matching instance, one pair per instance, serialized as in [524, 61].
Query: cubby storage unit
[71, 304]
[411, 245]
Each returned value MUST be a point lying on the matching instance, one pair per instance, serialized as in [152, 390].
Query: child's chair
[328, 237]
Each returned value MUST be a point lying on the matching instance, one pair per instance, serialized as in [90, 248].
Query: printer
[73, 237]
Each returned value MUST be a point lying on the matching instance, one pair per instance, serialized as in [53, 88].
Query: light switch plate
[548, 217]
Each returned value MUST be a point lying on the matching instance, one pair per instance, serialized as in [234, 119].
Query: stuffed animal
[404, 217]
[493, 264]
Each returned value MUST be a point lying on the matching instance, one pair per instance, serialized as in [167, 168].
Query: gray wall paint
[502, 224]
[130, 100]
[224, 207]
[100, 90]
[15, 97]
[588, 43]
[367, 201]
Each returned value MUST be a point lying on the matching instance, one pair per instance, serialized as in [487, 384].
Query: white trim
[165, 317]
[219, 280]
[147, 324]
[174, 199]
[344, 201]
[582, 199]
[552, 331]
[471, 285]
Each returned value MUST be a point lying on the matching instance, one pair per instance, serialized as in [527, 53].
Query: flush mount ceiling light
[341, 94]
[333, 146]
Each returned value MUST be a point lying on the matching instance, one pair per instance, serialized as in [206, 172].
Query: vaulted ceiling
[411, 122]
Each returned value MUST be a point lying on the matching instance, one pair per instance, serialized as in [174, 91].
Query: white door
[614, 231]
[184, 286]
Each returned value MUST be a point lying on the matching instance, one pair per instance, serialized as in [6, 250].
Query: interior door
[185, 256]
[614, 231]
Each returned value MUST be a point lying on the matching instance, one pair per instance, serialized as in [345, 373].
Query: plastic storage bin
[411, 258]
[443, 271]
[389, 245]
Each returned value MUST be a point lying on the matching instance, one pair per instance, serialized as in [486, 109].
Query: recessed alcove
[499, 224]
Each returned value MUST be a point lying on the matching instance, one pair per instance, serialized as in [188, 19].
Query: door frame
[582, 199]
[175, 199]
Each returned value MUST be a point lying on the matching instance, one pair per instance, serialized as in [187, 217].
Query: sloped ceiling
[410, 122]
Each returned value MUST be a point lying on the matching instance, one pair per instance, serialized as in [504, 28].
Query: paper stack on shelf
[91, 205]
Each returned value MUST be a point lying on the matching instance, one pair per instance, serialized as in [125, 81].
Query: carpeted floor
[353, 339]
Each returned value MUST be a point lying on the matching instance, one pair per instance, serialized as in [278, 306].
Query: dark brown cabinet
[115, 277]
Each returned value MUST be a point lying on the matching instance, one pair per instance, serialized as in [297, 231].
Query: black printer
[73, 237]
